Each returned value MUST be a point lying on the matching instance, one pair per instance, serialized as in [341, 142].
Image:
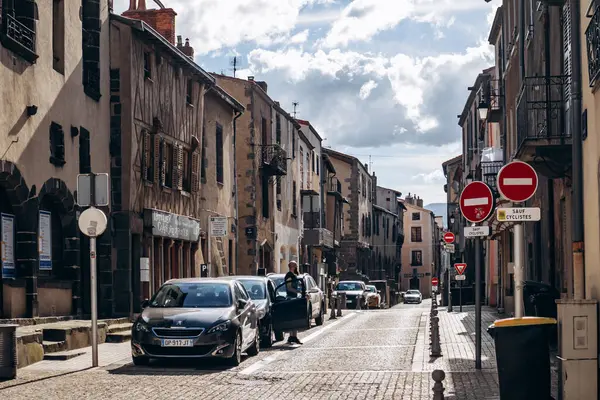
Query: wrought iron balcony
[489, 172]
[17, 37]
[541, 127]
[334, 186]
[592, 36]
[274, 160]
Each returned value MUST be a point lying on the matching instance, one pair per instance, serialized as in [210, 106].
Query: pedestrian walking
[291, 286]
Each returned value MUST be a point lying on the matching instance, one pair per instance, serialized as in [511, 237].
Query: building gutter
[235, 182]
[577, 154]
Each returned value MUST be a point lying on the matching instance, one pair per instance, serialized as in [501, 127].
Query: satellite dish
[92, 222]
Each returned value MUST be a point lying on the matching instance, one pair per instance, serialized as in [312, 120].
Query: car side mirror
[242, 303]
[313, 290]
[379, 291]
[145, 303]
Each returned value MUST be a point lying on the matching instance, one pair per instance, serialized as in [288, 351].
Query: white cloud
[366, 89]
[363, 19]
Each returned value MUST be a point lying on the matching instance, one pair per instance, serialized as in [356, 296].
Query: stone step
[118, 337]
[125, 327]
[54, 346]
[63, 355]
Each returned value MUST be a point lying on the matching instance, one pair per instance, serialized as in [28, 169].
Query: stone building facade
[355, 255]
[52, 55]
[260, 162]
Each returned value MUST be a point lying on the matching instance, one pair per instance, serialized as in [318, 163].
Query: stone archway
[22, 204]
[56, 199]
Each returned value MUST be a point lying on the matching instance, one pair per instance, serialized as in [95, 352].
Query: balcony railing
[540, 109]
[489, 172]
[334, 186]
[318, 237]
[592, 36]
[17, 36]
[273, 159]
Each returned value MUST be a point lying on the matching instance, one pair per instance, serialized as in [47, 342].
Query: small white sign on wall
[144, 269]
[45, 240]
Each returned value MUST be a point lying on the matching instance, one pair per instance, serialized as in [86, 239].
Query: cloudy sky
[384, 78]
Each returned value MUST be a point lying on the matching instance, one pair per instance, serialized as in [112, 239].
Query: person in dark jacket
[292, 289]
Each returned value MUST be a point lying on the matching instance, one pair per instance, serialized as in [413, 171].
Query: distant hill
[439, 209]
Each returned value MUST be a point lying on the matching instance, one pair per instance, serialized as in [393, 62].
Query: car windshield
[192, 295]
[349, 286]
[255, 288]
[413, 292]
[372, 289]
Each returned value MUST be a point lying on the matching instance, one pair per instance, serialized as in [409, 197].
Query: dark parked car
[356, 292]
[315, 296]
[206, 317]
[262, 292]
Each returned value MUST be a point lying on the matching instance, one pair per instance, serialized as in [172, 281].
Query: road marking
[517, 181]
[267, 360]
[358, 347]
[375, 329]
[479, 201]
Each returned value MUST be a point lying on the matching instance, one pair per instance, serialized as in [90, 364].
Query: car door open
[290, 312]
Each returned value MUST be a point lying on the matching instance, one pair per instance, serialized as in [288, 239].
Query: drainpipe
[522, 40]
[577, 156]
[235, 182]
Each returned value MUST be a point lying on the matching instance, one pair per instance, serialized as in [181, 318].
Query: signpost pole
[209, 248]
[518, 267]
[460, 294]
[94, 301]
[477, 303]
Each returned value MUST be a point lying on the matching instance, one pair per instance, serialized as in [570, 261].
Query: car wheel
[140, 360]
[267, 340]
[279, 336]
[255, 348]
[319, 319]
[236, 358]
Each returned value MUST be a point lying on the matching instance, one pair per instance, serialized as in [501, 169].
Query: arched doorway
[414, 283]
[7, 249]
[59, 272]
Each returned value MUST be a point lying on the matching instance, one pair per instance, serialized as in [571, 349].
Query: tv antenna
[295, 104]
[235, 62]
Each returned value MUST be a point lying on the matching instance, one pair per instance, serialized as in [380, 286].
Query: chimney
[161, 20]
[187, 49]
[419, 202]
[263, 85]
[409, 199]
[277, 104]
[251, 78]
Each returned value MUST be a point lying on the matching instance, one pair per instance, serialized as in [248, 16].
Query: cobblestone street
[379, 354]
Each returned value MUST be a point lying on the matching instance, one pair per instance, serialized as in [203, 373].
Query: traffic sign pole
[460, 294]
[518, 268]
[477, 303]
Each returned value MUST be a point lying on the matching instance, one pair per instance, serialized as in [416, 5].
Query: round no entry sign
[434, 281]
[517, 181]
[476, 202]
[449, 237]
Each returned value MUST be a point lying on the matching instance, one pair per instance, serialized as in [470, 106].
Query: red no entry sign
[449, 237]
[476, 202]
[434, 281]
[460, 268]
[517, 181]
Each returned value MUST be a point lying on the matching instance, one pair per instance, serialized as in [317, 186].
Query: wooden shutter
[195, 181]
[156, 158]
[178, 170]
[146, 154]
[162, 162]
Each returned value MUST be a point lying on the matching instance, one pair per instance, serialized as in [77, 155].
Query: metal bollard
[436, 350]
[333, 301]
[434, 313]
[438, 387]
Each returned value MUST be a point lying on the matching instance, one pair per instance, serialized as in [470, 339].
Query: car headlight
[222, 327]
[140, 326]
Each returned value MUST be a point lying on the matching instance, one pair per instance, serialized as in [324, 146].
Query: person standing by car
[291, 287]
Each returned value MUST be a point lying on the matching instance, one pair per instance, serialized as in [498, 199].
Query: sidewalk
[457, 338]
[108, 353]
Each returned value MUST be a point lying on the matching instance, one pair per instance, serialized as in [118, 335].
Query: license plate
[177, 342]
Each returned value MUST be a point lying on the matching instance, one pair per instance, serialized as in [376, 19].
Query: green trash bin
[523, 357]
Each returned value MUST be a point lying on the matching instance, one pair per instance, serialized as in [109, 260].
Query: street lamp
[469, 178]
[452, 220]
[482, 109]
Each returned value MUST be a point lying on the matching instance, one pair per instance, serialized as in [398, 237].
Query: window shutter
[156, 159]
[163, 162]
[179, 168]
[195, 172]
[146, 154]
